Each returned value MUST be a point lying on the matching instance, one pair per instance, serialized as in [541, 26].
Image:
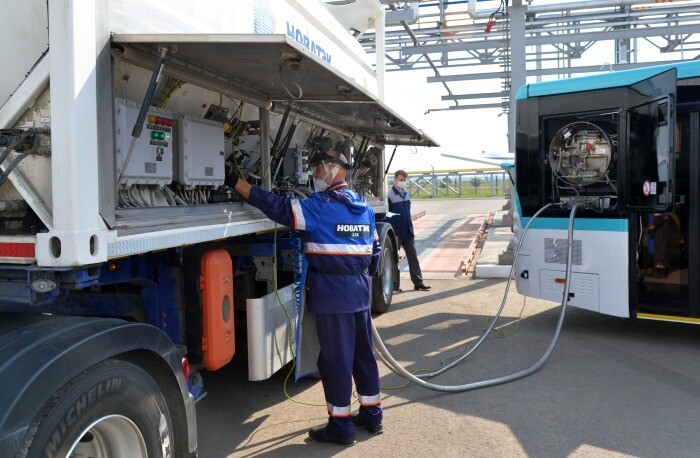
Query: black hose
[360, 152]
[278, 137]
[390, 160]
[288, 139]
[5, 175]
[9, 148]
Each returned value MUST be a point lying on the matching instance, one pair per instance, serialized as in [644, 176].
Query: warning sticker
[646, 188]
[653, 188]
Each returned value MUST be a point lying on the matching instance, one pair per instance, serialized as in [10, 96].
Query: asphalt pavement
[613, 387]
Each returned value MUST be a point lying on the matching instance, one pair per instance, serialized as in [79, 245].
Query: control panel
[151, 161]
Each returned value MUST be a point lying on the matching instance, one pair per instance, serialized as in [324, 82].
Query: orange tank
[216, 283]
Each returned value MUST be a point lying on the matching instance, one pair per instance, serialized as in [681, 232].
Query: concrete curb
[491, 271]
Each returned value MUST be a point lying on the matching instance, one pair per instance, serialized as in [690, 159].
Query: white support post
[380, 50]
[518, 65]
[78, 236]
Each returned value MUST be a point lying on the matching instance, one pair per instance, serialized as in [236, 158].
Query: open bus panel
[620, 145]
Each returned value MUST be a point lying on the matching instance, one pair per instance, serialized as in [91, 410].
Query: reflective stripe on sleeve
[298, 214]
[337, 248]
[335, 411]
[368, 401]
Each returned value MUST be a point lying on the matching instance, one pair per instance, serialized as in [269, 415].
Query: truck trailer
[128, 267]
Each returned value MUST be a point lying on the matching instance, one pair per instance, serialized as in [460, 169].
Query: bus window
[650, 157]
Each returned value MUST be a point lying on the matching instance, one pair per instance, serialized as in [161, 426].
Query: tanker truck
[128, 267]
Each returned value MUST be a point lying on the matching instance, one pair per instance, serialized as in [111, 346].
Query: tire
[383, 282]
[113, 409]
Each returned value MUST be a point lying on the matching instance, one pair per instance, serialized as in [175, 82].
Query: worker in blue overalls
[342, 249]
[402, 222]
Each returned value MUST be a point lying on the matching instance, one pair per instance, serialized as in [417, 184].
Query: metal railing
[456, 184]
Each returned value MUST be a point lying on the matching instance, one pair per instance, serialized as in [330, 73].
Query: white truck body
[70, 192]
[121, 245]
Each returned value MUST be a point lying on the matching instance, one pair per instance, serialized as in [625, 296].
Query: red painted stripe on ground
[444, 260]
[423, 226]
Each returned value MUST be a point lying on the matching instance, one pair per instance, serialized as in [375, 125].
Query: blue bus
[625, 148]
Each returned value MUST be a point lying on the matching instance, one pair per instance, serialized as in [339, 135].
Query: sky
[459, 132]
[468, 133]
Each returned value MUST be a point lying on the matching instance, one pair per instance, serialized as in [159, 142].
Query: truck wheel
[113, 409]
[383, 282]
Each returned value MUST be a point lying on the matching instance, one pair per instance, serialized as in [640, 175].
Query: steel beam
[473, 76]
[473, 45]
[471, 107]
[545, 71]
[483, 95]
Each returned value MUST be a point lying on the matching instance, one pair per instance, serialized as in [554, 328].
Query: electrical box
[295, 165]
[200, 152]
[151, 160]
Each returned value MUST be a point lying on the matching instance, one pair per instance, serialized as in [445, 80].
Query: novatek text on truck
[128, 267]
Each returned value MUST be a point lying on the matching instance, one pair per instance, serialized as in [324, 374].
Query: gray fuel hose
[398, 369]
[500, 310]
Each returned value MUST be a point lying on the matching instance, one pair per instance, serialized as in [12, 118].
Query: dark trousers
[346, 354]
[409, 247]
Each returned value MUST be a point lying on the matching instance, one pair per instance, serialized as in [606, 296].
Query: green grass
[467, 192]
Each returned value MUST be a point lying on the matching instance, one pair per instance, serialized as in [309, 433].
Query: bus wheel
[383, 282]
[113, 409]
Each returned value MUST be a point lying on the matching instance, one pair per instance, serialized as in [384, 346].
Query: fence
[457, 184]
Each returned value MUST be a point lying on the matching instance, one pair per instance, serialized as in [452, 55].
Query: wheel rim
[113, 436]
[388, 273]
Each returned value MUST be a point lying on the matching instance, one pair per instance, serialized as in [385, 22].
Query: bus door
[668, 252]
[656, 194]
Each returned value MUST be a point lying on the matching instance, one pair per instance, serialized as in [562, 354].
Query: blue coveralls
[342, 248]
[400, 204]
[402, 222]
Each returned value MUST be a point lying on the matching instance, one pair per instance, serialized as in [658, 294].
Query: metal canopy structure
[515, 41]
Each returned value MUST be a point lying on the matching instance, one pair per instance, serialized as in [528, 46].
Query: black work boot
[360, 423]
[322, 435]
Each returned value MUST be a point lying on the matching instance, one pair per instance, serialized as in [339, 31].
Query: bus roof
[605, 80]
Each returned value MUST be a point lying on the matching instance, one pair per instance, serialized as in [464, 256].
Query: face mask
[400, 184]
[320, 184]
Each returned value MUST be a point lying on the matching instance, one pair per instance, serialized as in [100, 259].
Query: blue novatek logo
[308, 43]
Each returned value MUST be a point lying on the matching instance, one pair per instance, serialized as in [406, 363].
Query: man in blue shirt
[400, 204]
[342, 248]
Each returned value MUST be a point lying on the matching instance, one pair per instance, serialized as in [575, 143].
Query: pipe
[397, 368]
[559, 7]
[425, 55]
[587, 4]
[314, 122]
